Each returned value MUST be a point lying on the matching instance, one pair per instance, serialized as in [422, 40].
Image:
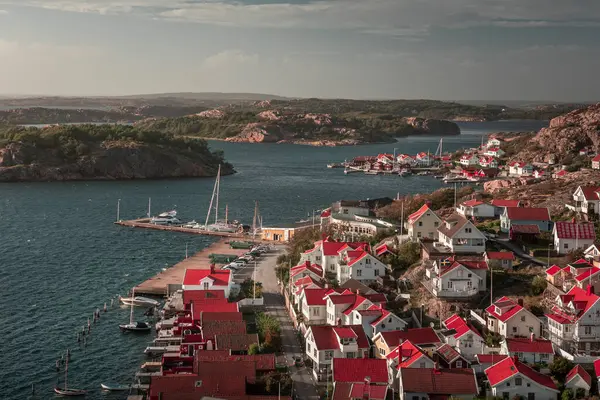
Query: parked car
[230, 267]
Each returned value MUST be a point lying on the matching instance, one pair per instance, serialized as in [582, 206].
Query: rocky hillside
[564, 137]
[94, 153]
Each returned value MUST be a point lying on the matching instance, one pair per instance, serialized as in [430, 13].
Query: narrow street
[304, 385]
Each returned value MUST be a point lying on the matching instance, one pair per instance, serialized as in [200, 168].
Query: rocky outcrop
[215, 114]
[256, 133]
[269, 115]
[433, 126]
[565, 137]
[104, 161]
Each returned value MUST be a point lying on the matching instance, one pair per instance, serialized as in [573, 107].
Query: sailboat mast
[212, 198]
[131, 312]
[226, 212]
[66, 371]
[149, 206]
[217, 198]
[254, 218]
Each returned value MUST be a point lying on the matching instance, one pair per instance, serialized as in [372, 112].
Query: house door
[276, 237]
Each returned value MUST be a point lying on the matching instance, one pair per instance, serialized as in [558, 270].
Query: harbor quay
[146, 224]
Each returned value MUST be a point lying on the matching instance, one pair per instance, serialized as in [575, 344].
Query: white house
[488, 162]
[510, 319]
[406, 355]
[494, 142]
[511, 377]
[464, 337]
[587, 199]
[327, 253]
[405, 159]
[592, 252]
[433, 383]
[596, 162]
[313, 305]
[520, 169]
[500, 205]
[475, 208]
[468, 160]
[308, 282]
[494, 151]
[530, 350]
[574, 322]
[423, 158]
[452, 278]
[324, 343]
[578, 378]
[208, 279]
[459, 235]
[306, 269]
[569, 236]
[361, 266]
[423, 223]
[500, 259]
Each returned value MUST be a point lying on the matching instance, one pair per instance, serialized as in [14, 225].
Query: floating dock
[158, 284]
[145, 223]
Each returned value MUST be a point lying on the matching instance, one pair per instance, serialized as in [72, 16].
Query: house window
[530, 396]
[358, 272]
[588, 330]
[345, 211]
[459, 364]
[382, 352]
[420, 223]
[368, 261]
[460, 273]
[566, 245]
[206, 285]
[544, 356]
[436, 224]
[418, 234]
[422, 364]
[468, 230]
[469, 284]
[308, 348]
[350, 354]
[514, 329]
[328, 355]
[518, 381]
[315, 352]
[449, 284]
[523, 318]
[376, 272]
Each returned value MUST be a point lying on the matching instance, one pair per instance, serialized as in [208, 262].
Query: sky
[378, 49]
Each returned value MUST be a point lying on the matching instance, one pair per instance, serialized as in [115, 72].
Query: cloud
[406, 18]
[3, 12]
[230, 58]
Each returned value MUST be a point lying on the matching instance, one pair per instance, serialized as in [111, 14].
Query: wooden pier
[158, 284]
[145, 223]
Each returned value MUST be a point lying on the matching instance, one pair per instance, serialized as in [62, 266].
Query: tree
[560, 367]
[567, 394]
[253, 349]
[538, 285]
[269, 330]
[273, 380]
[580, 393]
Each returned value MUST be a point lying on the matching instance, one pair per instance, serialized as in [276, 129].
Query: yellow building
[282, 233]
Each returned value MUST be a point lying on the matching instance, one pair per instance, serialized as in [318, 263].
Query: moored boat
[66, 391]
[114, 387]
[135, 326]
[139, 301]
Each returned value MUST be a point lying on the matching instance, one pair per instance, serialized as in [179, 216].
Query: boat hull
[139, 301]
[114, 387]
[70, 392]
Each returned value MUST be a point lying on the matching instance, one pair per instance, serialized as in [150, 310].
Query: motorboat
[223, 227]
[191, 225]
[139, 301]
[166, 218]
[114, 387]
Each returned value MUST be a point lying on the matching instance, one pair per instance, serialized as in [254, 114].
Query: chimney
[358, 292]
[520, 302]
[428, 203]
[367, 388]
[307, 263]
[589, 290]
[327, 286]
[339, 322]
[532, 336]
[212, 268]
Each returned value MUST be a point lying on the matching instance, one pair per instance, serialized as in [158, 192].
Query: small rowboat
[70, 392]
[114, 387]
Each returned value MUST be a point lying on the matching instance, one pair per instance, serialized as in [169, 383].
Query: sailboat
[219, 226]
[65, 391]
[132, 325]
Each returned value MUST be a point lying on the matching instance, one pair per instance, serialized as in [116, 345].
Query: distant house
[208, 279]
[423, 159]
[553, 275]
[405, 159]
[587, 199]
[578, 378]
[468, 160]
[448, 357]
[433, 383]
[423, 223]
[510, 377]
[500, 205]
[596, 162]
[510, 319]
[475, 208]
[494, 152]
[500, 259]
[569, 236]
[313, 305]
[463, 336]
[560, 174]
[488, 162]
[538, 174]
[359, 265]
[459, 235]
[525, 216]
[530, 349]
[306, 269]
[457, 278]
[518, 168]
[359, 370]
[385, 158]
[592, 252]
[425, 338]
[494, 142]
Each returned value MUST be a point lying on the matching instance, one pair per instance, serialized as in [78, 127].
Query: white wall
[516, 326]
[541, 392]
[571, 244]
[469, 344]
[425, 227]
[471, 237]
[366, 270]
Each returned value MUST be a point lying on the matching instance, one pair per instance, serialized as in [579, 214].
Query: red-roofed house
[423, 223]
[468, 160]
[208, 279]
[574, 323]
[457, 277]
[587, 199]
[306, 269]
[578, 378]
[386, 342]
[448, 357]
[359, 391]
[596, 162]
[525, 216]
[488, 162]
[520, 169]
[328, 253]
[407, 355]
[313, 305]
[325, 342]
[361, 266]
[569, 236]
[500, 259]
[529, 349]
[432, 383]
[476, 209]
[383, 250]
[500, 205]
[201, 295]
[553, 275]
[463, 336]
[510, 319]
[308, 282]
[511, 377]
[357, 370]
[494, 151]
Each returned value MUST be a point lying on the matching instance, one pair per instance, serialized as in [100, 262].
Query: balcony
[349, 347]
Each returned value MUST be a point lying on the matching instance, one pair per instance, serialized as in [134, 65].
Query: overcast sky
[438, 49]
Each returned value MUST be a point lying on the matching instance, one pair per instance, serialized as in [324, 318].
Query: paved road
[518, 250]
[304, 385]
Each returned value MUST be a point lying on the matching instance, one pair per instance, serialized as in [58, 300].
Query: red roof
[344, 332]
[580, 299]
[307, 266]
[455, 381]
[326, 213]
[490, 358]
[509, 367]
[419, 336]
[460, 326]
[315, 297]
[590, 192]
[198, 308]
[570, 230]
[193, 277]
[553, 270]
[587, 274]
[382, 250]
[325, 336]
[562, 172]
[529, 229]
[504, 302]
[419, 213]
[221, 316]
[264, 362]
[597, 368]
[199, 295]
[578, 370]
[358, 300]
[376, 392]
[505, 203]
[357, 257]
[332, 248]
[409, 352]
[472, 203]
[447, 353]
[596, 158]
[357, 369]
[528, 213]
[500, 255]
[526, 345]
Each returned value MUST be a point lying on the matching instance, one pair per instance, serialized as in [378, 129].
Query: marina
[146, 224]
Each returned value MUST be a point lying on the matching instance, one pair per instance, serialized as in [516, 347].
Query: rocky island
[108, 152]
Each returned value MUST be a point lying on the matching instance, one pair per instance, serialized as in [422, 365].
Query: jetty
[145, 224]
[159, 284]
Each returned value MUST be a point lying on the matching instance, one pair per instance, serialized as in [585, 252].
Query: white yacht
[139, 301]
[166, 218]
